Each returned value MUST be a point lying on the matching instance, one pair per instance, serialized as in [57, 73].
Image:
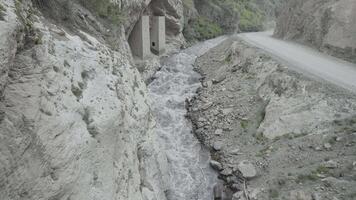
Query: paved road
[305, 59]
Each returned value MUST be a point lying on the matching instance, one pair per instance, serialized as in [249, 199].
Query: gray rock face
[74, 117]
[328, 25]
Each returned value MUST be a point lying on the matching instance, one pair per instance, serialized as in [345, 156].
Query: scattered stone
[331, 164]
[58, 31]
[226, 172]
[235, 152]
[232, 180]
[218, 132]
[236, 187]
[317, 148]
[333, 182]
[201, 124]
[215, 112]
[216, 165]
[202, 119]
[195, 109]
[247, 169]
[227, 129]
[218, 145]
[219, 79]
[200, 130]
[254, 194]
[316, 196]
[207, 84]
[206, 106]
[239, 196]
[299, 195]
[327, 146]
[227, 111]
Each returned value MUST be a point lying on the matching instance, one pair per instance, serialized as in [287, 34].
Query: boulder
[247, 169]
[218, 145]
[299, 195]
[239, 196]
[218, 132]
[216, 165]
[331, 164]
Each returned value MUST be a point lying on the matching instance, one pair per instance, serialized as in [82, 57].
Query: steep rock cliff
[325, 24]
[75, 122]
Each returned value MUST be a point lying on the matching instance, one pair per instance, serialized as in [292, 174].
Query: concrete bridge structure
[148, 36]
[158, 34]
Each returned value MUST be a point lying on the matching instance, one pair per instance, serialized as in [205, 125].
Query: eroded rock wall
[328, 25]
[75, 122]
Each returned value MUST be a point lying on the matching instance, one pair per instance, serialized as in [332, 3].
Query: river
[190, 175]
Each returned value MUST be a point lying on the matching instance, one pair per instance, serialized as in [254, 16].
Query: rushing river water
[191, 177]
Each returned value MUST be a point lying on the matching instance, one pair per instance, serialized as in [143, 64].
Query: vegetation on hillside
[106, 9]
[188, 3]
[251, 17]
[203, 29]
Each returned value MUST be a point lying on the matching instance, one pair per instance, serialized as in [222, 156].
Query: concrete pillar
[218, 191]
[158, 34]
[139, 39]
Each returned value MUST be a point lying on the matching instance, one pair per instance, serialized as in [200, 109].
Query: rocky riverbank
[274, 133]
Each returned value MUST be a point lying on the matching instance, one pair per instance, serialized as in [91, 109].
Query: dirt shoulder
[284, 135]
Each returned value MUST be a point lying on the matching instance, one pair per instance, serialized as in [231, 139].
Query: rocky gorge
[82, 118]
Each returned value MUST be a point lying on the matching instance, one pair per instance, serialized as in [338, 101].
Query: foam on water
[191, 177]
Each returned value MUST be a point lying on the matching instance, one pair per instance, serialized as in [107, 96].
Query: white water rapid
[190, 176]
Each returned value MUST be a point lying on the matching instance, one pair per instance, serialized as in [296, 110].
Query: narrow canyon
[177, 100]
